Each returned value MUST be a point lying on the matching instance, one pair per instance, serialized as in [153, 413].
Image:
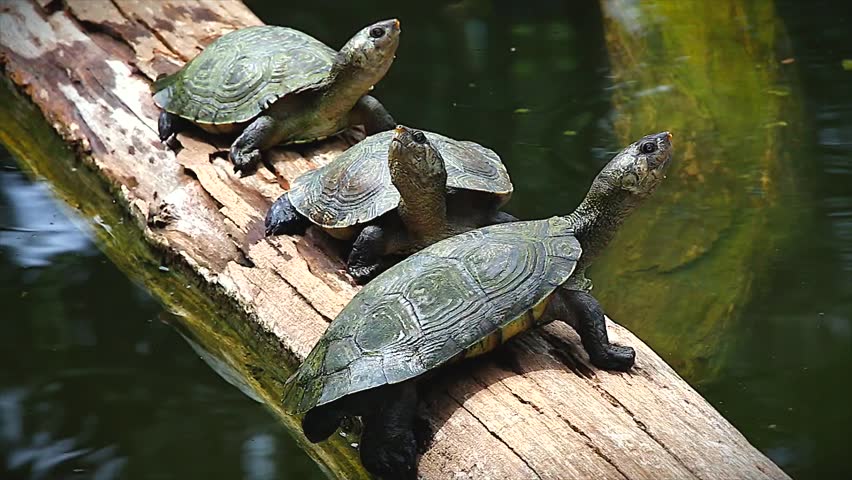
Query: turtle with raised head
[276, 85]
[462, 297]
[396, 193]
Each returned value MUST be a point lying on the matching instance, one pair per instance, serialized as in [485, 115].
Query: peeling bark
[534, 409]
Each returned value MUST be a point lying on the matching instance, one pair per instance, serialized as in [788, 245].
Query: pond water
[96, 384]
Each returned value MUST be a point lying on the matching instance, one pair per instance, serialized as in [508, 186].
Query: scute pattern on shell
[356, 187]
[243, 72]
[427, 310]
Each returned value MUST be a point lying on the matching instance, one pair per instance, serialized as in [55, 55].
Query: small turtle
[277, 85]
[413, 188]
[460, 298]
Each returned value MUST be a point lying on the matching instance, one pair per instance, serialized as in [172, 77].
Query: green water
[96, 384]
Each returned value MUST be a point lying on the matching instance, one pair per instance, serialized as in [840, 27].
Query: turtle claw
[283, 219]
[616, 357]
[365, 258]
[168, 126]
[243, 161]
[172, 143]
[362, 275]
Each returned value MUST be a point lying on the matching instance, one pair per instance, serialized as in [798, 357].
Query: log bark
[535, 409]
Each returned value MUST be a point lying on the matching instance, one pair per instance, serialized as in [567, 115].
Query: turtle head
[373, 48]
[639, 168]
[413, 159]
[418, 172]
[630, 177]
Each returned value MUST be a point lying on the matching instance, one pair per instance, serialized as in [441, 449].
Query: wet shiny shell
[356, 186]
[458, 298]
[242, 73]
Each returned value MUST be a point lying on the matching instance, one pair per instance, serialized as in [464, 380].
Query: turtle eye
[648, 147]
[419, 137]
[377, 32]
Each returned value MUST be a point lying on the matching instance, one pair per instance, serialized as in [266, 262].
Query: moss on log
[535, 409]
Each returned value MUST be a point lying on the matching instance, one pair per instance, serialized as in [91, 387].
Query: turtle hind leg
[283, 219]
[321, 422]
[591, 326]
[388, 444]
[365, 259]
[259, 134]
[168, 126]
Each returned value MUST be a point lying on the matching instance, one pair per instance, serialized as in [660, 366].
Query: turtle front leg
[168, 126]
[591, 326]
[365, 259]
[372, 114]
[245, 151]
[283, 219]
[388, 444]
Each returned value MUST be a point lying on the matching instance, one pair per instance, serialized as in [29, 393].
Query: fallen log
[536, 409]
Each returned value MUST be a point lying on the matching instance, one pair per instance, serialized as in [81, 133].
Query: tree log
[534, 409]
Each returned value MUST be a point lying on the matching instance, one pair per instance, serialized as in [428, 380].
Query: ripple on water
[33, 226]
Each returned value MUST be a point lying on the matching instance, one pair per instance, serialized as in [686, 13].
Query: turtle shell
[455, 299]
[242, 73]
[356, 186]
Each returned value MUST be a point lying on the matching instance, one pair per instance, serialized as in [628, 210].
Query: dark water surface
[95, 384]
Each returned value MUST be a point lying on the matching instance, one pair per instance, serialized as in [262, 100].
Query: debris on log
[534, 409]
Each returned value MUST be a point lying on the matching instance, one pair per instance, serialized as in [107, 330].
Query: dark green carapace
[275, 85]
[396, 193]
[437, 306]
[462, 297]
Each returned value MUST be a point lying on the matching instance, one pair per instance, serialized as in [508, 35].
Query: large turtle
[462, 297]
[413, 188]
[278, 85]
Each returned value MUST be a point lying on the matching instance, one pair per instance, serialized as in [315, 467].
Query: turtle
[460, 298]
[395, 193]
[276, 85]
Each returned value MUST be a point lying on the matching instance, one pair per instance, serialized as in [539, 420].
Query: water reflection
[33, 227]
[41, 453]
[724, 210]
[784, 379]
[94, 384]
[258, 457]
